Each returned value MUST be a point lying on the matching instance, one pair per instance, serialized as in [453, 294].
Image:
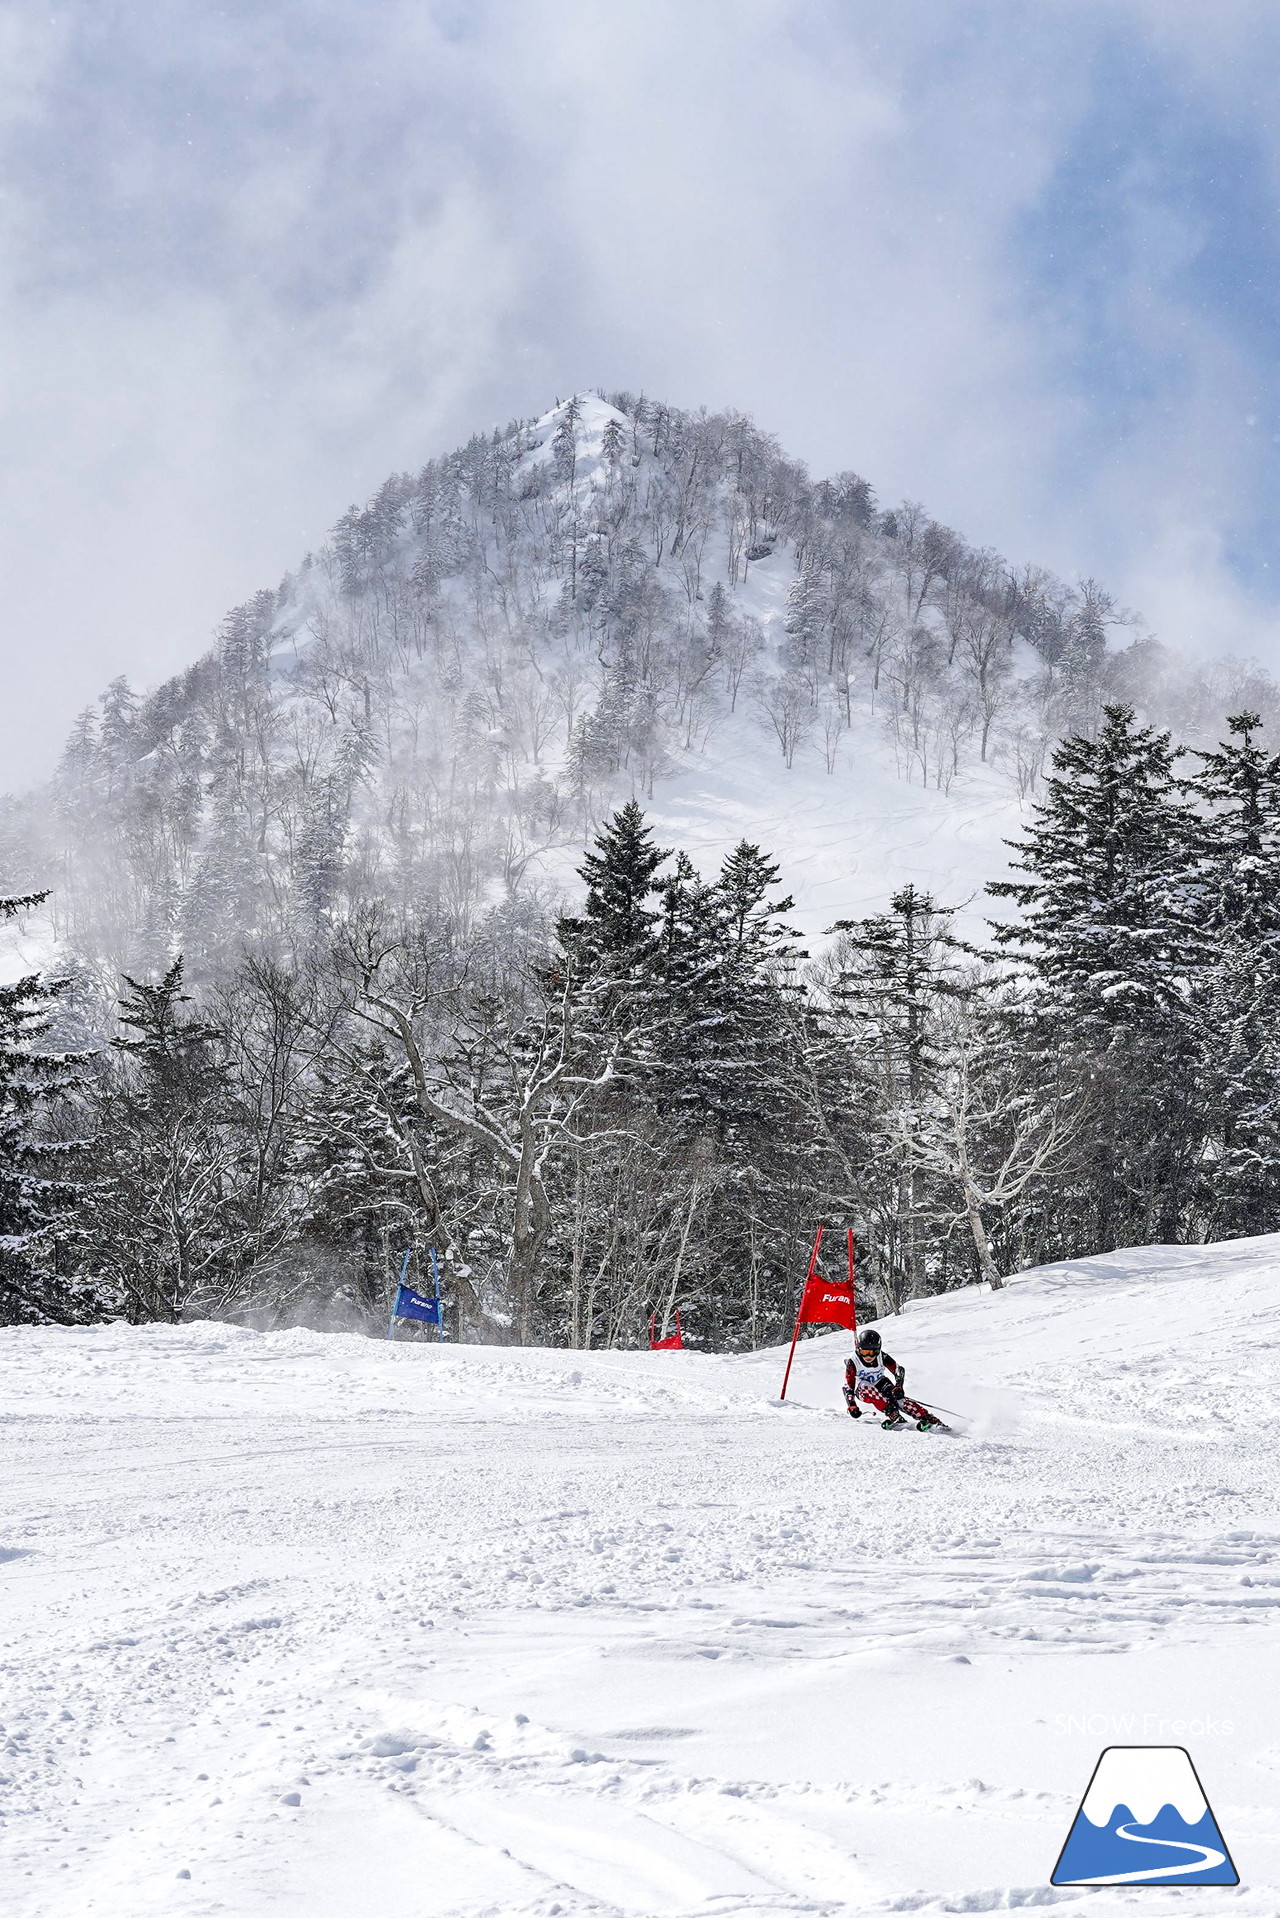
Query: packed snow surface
[308, 1624]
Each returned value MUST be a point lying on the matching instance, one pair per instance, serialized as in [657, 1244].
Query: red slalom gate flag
[823, 1301]
[674, 1344]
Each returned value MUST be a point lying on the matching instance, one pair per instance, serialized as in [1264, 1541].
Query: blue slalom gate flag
[411, 1305]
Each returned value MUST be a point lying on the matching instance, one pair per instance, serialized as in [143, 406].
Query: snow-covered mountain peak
[1145, 1778]
[616, 599]
[589, 416]
[581, 446]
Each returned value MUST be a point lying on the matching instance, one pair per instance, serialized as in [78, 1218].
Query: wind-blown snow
[27, 945]
[339, 1627]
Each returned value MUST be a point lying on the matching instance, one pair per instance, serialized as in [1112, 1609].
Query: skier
[872, 1376]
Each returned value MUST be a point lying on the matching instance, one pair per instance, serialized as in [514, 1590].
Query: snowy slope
[846, 838]
[442, 703]
[337, 1627]
[846, 841]
[26, 946]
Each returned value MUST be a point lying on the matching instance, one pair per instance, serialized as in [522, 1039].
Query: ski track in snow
[336, 1626]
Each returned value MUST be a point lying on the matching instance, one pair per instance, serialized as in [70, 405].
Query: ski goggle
[868, 1351]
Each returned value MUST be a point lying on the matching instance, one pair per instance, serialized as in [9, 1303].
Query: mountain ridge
[615, 599]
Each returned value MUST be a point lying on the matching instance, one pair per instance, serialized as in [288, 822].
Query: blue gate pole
[404, 1267]
[435, 1273]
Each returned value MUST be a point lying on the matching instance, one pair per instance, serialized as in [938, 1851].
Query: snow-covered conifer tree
[164, 1219]
[892, 974]
[38, 1189]
[1110, 930]
[617, 923]
[1238, 993]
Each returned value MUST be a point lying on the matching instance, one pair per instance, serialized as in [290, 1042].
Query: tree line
[488, 657]
[654, 1100]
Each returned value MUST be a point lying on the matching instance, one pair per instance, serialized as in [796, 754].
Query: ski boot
[931, 1425]
[893, 1407]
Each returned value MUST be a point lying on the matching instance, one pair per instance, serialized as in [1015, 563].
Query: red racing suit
[880, 1385]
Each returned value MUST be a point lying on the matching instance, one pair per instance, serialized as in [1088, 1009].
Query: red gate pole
[853, 1297]
[813, 1266]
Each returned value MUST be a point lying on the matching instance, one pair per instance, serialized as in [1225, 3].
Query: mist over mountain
[576, 874]
[618, 598]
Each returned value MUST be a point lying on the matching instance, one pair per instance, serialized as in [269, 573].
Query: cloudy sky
[1018, 260]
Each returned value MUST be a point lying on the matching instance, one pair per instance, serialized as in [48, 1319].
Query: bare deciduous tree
[501, 1065]
[981, 1133]
[787, 710]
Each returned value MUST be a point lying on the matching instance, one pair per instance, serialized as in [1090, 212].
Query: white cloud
[256, 259]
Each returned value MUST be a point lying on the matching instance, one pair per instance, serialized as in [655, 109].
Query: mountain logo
[1145, 1821]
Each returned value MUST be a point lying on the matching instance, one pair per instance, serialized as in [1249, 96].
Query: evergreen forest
[361, 942]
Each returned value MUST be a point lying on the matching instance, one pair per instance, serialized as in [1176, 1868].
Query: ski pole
[943, 1408]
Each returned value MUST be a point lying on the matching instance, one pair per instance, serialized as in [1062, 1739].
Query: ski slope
[848, 836]
[314, 1625]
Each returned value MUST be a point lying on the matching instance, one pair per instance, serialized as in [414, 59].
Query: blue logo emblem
[1145, 1821]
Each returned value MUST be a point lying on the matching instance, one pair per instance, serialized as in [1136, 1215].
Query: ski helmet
[868, 1345]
